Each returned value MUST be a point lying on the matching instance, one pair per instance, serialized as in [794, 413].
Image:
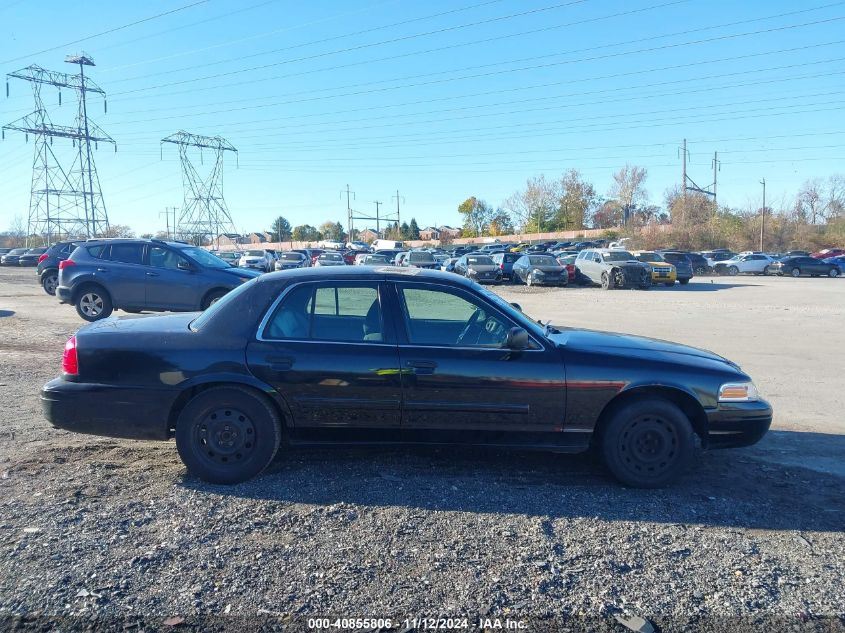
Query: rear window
[480, 260]
[421, 258]
[127, 253]
[293, 257]
[539, 260]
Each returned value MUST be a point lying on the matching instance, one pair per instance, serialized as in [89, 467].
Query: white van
[386, 244]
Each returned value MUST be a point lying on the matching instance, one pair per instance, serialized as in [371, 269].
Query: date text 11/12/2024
[418, 623]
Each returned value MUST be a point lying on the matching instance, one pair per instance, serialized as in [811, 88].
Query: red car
[828, 252]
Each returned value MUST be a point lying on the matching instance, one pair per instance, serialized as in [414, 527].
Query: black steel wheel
[647, 443]
[50, 281]
[226, 435]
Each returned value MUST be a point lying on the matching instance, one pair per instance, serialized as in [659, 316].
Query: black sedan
[13, 256]
[539, 270]
[798, 266]
[31, 257]
[368, 354]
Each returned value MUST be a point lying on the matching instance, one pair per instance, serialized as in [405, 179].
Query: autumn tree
[305, 233]
[576, 201]
[628, 189]
[500, 224]
[476, 214]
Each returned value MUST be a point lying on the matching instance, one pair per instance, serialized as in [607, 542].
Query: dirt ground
[101, 530]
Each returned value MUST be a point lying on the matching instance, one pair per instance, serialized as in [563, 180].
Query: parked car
[449, 265]
[227, 384]
[30, 258]
[752, 263]
[682, 263]
[505, 262]
[478, 267]
[258, 259]
[700, 266]
[798, 266]
[330, 258]
[232, 257]
[567, 260]
[662, 272]
[288, 260]
[374, 259]
[400, 258]
[11, 258]
[539, 270]
[349, 256]
[839, 262]
[829, 252]
[420, 259]
[394, 245]
[613, 268]
[797, 254]
[714, 257]
[134, 275]
[358, 246]
[390, 253]
[4, 251]
[48, 265]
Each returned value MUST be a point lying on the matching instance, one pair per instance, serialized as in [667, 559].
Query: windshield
[650, 257]
[617, 256]
[254, 253]
[204, 258]
[480, 260]
[293, 257]
[540, 260]
[376, 259]
[334, 257]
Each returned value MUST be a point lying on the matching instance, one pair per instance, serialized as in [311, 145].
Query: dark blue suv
[134, 275]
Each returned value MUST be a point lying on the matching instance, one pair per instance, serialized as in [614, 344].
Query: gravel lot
[109, 533]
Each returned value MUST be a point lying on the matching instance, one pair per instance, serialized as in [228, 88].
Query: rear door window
[127, 253]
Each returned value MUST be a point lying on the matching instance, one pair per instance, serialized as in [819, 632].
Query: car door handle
[422, 366]
[102, 270]
[279, 363]
[152, 274]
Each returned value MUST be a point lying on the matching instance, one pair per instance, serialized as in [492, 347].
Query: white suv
[258, 259]
[749, 263]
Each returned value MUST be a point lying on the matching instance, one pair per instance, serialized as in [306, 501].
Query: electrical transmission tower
[379, 217]
[66, 199]
[204, 212]
[688, 183]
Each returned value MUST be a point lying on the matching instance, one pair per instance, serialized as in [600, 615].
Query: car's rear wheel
[647, 443]
[226, 435]
[733, 271]
[795, 272]
[212, 297]
[50, 282]
[683, 282]
[93, 303]
[606, 281]
[529, 280]
[701, 270]
[834, 272]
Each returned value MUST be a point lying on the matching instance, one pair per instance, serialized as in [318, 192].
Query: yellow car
[662, 272]
[520, 247]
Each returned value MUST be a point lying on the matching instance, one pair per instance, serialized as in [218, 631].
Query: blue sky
[440, 100]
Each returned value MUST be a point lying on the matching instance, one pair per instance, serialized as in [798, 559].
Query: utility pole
[166, 219]
[349, 219]
[684, 184]
[715, 170]
[398, 197]
[763, 215]
[378, 221]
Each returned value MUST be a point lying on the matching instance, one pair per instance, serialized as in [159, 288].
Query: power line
[112, 30]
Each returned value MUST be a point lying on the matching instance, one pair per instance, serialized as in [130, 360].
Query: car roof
[349, 273]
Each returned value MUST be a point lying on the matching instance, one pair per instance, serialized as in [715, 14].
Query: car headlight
[738, 392]
[472, 271]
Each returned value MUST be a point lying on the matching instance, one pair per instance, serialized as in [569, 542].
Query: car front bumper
[735, 424]
[95, 409]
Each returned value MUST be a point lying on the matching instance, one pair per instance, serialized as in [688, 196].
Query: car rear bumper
[64, 294]
[735, 424]
[107, 410]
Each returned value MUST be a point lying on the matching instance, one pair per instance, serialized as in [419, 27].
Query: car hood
[630, 345]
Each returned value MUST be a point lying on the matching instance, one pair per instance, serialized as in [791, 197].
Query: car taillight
[70, 365]
[501, 266]
[42, 258]
[67, 263]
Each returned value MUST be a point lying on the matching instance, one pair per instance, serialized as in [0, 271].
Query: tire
[701, 270]
[227, 435]
[669, 284]
[211, 297]
[767, 271]
[834, 272]
[50, 281]
[795, 272]
[529, 280]
[606, 281]
[648, 443]
[683, 282]
[93, 303]
[733, 271]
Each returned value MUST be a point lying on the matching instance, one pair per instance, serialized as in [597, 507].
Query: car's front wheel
[93, 303]
[834, 272]
[647, 443]
[226, 435]
[212, 297]
[50, 282]
[606, 281]
[795, 272]
[733, 271]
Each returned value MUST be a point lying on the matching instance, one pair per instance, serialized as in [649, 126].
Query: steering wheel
[469, 326]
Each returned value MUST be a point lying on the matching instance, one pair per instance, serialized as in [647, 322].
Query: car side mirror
[517, 306]
[597, 260]
[183, 265]
[517, 339]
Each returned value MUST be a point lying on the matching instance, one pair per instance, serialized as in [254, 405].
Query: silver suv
[613, 268]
